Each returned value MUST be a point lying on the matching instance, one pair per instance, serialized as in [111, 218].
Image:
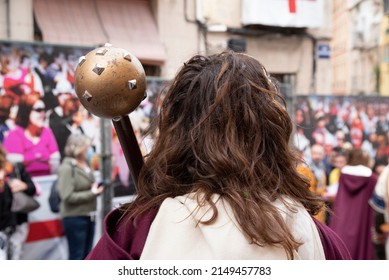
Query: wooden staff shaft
[130, 147]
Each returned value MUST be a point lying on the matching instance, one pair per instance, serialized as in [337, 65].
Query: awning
[71, 22]
[128, 24]
[131, 25]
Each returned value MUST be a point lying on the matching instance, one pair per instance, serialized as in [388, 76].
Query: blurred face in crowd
[317, 153]
[63, 97]
[321, 123]
[38, 114]
[383, 109]
[340, 161]
[370, 111]
[379, 168]
[70, 105]
[319, 138]
[328, 148]
[340, 138]
[345, 114]
[2, 174]
[299, 117]
[381, 140]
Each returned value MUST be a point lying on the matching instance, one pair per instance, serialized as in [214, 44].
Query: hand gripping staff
[110, 83]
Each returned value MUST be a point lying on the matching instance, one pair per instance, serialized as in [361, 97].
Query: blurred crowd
[344, 151]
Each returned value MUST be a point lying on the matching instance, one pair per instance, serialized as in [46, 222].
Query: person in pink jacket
[31, 141]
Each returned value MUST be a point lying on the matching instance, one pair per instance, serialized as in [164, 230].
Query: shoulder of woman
[17, 131]
[381, 185]
[47, 131]
[357, 170]
[67, 163]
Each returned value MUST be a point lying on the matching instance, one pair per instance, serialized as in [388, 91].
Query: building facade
[289, 52]
[384, 52]
[165, 33]
[356, 47]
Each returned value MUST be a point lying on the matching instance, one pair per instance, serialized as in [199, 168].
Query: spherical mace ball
[110, 82]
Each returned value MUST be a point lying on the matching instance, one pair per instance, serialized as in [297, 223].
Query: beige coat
[178, 235]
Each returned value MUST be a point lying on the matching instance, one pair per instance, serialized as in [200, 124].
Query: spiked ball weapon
[110, 83]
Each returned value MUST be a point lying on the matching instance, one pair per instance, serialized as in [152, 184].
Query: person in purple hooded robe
[221, 181]
[353, 217]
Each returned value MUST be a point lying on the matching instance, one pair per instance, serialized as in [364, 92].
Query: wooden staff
[130, 146]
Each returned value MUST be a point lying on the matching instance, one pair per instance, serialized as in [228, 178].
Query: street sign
[323, 51]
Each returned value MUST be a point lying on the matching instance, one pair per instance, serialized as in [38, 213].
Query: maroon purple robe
[352, 217]
[124, 241]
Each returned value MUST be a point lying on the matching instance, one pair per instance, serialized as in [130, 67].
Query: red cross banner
[283, 13]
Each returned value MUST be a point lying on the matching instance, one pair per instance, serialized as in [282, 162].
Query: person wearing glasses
[31, 141]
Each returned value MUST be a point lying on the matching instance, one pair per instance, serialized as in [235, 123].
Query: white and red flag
[283, 13]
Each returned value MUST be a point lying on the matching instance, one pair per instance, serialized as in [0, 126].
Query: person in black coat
[6, 217]
[65, 119]
[20, 180]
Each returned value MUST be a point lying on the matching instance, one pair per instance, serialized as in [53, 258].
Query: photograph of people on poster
[47, 72]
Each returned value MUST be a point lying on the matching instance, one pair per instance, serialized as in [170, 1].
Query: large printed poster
[38, 111]
[39, 108]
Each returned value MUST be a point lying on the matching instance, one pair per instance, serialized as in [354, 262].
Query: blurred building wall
[356, 48]
[340, 44]
[16, 20]
[287, 53]
[384, 58]
[187, 27]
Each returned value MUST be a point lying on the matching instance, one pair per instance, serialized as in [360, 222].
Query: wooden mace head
[110, 82]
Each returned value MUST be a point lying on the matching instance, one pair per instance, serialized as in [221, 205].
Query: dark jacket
[6, 219]
[59, 126]
[20, 172]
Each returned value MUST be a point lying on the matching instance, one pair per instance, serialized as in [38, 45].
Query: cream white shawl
[176, 234]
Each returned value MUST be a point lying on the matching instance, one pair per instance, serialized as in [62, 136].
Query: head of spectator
[299, 117]
[340, 138]
[77, 146]
[340, 158]
[63, 91]
[358, 157]
[317, 153]
[31, 113]
[379, 165]
[356, 132]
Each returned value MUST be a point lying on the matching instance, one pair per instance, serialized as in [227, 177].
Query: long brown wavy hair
[224, 129]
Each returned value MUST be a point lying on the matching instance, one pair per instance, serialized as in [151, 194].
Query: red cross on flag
[292, 6]
[284, 13]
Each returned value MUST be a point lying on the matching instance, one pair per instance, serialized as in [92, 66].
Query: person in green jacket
[78, 190]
